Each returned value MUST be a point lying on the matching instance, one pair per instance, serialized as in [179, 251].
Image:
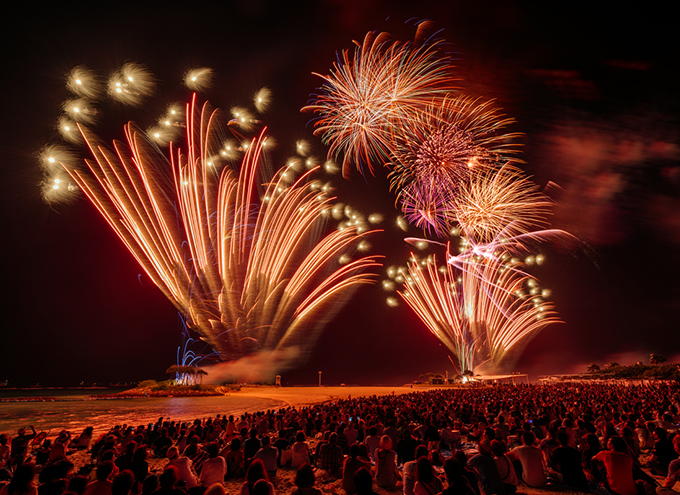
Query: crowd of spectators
[491, 440]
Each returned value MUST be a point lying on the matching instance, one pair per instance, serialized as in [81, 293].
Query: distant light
[193, 78]
[76, 109]
[130, 78]
[56, 186]
[78, 81]
[157, 135]
[57, 181]
[50, 159]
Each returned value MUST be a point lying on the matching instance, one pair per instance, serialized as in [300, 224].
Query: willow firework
[253, 268]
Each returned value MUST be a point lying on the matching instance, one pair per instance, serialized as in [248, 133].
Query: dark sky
[592, 88]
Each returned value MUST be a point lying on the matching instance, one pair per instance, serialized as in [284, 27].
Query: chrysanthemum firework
[382, 86]
[439, 150]
[500, 203]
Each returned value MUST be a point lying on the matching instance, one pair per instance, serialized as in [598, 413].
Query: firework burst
[382, 86]
[503, 202]
[439, 151]
[252, 268]
[452, 138]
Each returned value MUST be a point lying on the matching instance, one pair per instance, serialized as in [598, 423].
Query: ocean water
[74, 410]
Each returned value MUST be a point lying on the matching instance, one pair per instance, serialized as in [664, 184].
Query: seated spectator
[662, 453]
[22, 481]
[139, 466]
[162, 443]
[256, 473]
[82, 441]
[304, 481]
[150, 484]
[363, 481]
[122, 483]
[673, 472]
[77, 484]
[484, 464]
[185, 468]
[104, 480]
[330, 456]
[214, 469]
[301, 453]
[349, 468]
[505, 467]
[592, 447]
[268, 455]
[386, 473]
[251, 445]
[566, 462]
[235, 460]
[618, 467]
[372, 442]
[167, 481]
[20, 445]
[469, 472]
[410, 470]
[60, 448]
[124, 461]
[54, 478]
[281, 445]
[458, 484]
[427, 482]
[530, 461]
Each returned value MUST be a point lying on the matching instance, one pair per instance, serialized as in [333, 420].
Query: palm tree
[186, 375]
[593, 368]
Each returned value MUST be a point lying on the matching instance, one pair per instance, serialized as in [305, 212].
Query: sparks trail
[252, 268]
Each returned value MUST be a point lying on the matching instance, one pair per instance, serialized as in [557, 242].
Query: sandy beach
[304, 396]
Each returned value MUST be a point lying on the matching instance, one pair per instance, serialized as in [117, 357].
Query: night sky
[593, 89]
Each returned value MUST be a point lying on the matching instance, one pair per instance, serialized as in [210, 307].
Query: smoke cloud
[261, 367]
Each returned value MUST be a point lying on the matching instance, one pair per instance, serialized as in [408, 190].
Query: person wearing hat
[185, 468]
[20, 444]
[58, 451]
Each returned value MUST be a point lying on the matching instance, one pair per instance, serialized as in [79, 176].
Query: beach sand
[304, 396]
